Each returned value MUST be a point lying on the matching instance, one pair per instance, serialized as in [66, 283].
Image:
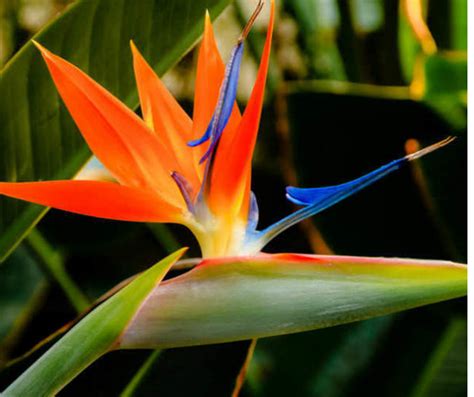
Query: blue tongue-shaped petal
[225, 103]
[316, 200]
[221, 115]
[326, 196]
[205, 136]
[321, 198]
[228, 91]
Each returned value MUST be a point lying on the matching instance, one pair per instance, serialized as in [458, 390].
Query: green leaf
[22, 286]
[164, 236]
[141, 374]
[350, 358]
[447, 20]
[329, 360]
[237, 299]
[7, 30]
[53, 262]
[367, 40]
[318, 22]
[444, 77]
[409, 48]
[38, 137]
[446, 74]
[446, 371]
[459, 24]
[96, 334]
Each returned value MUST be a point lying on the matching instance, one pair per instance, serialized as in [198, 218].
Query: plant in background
[197, 173]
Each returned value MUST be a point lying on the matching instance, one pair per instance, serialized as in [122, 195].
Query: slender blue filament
[185, 189]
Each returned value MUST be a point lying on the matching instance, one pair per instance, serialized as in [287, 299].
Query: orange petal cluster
[142, 154]
[158, 175]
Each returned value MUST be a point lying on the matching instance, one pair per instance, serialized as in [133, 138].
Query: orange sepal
[116, 135]
[165, 117]
[99, 199]
[230, 185]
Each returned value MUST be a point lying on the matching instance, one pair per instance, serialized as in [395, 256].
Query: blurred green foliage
[350, 85]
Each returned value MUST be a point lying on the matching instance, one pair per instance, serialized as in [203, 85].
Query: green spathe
[233, 299]
[230, 299]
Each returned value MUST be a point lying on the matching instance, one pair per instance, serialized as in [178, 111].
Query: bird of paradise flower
[170, 168]
[197, 172]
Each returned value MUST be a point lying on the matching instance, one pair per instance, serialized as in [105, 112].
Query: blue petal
[324, 197]
[205, 137]
[231, 89]
[316, 200]
[225, 103]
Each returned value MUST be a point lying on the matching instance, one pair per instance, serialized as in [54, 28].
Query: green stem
[141, 373]
[53, 262]
[164, 236]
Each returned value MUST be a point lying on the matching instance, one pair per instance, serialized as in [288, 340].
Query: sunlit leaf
[319, 21]
[22, 285]
[446, 372]
[459, 24]
[448, 96]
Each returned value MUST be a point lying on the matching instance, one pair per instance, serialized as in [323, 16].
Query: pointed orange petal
[230, 186]
[245, 203]
[209, 77]
[165, 117]
[116, 135]
[98, 199]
